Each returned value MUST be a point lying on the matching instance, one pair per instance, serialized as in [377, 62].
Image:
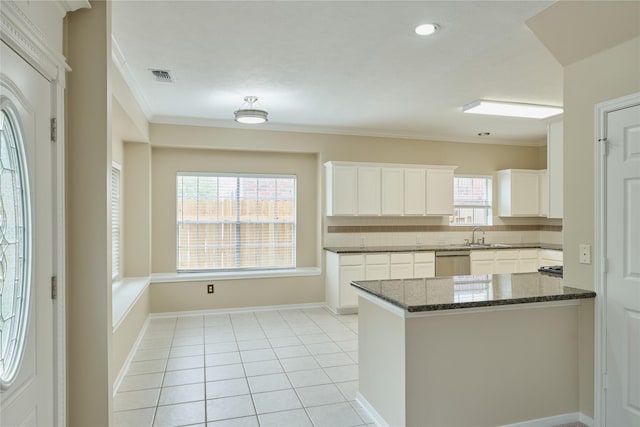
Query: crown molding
[121, 64]
[23, 36]
[72, 5]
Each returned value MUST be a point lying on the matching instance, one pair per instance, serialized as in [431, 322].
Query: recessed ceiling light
[484, 133]
[426, 29]
[511, 109]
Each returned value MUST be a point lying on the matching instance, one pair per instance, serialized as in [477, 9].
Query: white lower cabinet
[482, 262]
[512, 260]
[506, 261]
[528, 261]
[376, 272]
[424, 264]
[550, 257]
[349, 273]
[376, 267]
[342, 269]
[401, 266]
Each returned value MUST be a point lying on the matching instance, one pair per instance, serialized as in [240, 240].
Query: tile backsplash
[389, 235]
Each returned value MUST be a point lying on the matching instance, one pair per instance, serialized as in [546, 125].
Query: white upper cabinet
[392, 181]
[439, 192]
[527, 192]
[388, 189]
[555, 138]
[342, 190]
[543, 178]
[414, 191]
[519, 192]
[368, 190]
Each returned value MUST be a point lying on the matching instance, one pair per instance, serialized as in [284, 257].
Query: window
[115, 221]
[471, 201]
[233, 222]
[15, 246]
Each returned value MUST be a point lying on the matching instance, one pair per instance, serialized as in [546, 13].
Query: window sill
[124, 295]
[234, 275]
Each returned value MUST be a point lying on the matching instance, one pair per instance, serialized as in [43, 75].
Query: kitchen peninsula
[470, 350]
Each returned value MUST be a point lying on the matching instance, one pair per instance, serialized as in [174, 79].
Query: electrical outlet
[210, 288]
[585, 254]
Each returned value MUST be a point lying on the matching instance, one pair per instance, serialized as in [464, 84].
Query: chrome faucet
[473, 236]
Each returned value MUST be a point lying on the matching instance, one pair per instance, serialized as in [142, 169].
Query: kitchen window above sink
[471, 200]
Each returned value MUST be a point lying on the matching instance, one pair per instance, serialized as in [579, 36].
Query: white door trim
[602, 109]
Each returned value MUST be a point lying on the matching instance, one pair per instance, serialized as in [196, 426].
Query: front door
[622, 279]
[26, 251]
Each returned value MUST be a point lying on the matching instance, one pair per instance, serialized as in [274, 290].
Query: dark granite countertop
[448, 293]
[431, 248]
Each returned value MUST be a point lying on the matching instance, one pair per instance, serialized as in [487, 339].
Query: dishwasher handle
[452, 253]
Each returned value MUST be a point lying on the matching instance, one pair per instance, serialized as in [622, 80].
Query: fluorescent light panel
[511, 109]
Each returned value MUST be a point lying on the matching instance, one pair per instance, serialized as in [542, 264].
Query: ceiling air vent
[163, 76]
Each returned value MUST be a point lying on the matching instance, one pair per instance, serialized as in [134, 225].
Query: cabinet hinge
[54, 129]
[54, 287]
[605, 378]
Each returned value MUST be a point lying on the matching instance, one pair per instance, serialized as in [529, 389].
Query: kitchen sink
[484, 246]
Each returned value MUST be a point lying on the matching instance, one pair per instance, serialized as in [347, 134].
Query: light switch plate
[585, 254]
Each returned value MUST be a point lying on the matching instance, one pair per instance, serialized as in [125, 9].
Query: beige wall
[126, 335]
[586, 346]
[167, 162]
[502, 367]
[471, 369]
[89, 146]
[136, 238]
[382, 379]
[129, 125]
[471, 158]
[117, 143]
[481, 159]
[185, 296]
[607, 75]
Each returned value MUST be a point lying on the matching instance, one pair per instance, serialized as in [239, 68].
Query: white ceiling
[350, 67]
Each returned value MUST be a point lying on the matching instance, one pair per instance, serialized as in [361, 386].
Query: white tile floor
[266, 368]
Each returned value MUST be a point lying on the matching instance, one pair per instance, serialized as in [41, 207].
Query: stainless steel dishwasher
[453, 263]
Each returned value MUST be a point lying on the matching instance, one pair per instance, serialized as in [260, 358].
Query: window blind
[231, 222]
[115, 222]
[471, 201]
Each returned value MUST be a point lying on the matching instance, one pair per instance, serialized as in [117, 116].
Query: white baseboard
[540, 422]
[237, 310]
[127, 362]
[588, 421]
[552, 421]
[375, 416]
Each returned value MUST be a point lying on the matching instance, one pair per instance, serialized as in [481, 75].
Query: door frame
[22, 35]
[601, 111]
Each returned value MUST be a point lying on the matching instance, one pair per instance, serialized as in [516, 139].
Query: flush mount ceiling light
[248, 114]
[426, 29]
[511, 109]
